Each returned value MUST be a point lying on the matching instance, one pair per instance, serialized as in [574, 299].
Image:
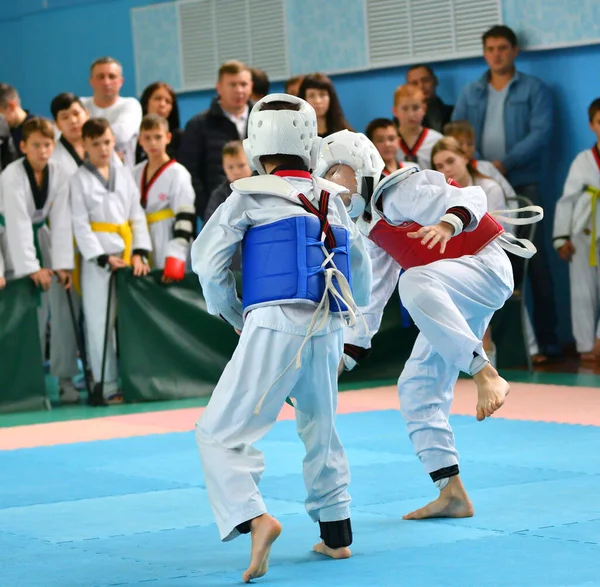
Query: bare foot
[264, 530]
[453, 502]
[342, 552]
[491, 391]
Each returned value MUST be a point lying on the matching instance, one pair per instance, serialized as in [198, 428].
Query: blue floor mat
[135, 511]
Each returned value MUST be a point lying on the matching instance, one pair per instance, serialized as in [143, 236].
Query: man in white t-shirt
[123, 114]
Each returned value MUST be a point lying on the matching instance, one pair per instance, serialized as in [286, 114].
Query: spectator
[317, 89]
[236, 167]
[438, 114]
[123, 114]
[382, 132]
[110, 228]
[511, 113]
[416, 141]
[160, 98]
[11, 110]
[292, 85]
[206, 133]
[576, 241]
[260, 84]
[8, 153]
[167, 196]
[464, 133]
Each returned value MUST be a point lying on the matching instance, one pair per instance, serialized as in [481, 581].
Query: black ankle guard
[244, 527]
[444, 473]
[336, 534]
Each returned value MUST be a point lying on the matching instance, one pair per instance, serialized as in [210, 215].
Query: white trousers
[585, 296]
[94, 289]
[452, 303]
[63, 342]
[228, 428]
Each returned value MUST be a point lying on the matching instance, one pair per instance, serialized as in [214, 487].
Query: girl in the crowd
[317, 89]
[160, 98]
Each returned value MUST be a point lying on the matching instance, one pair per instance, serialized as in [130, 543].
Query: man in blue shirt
[511, 113]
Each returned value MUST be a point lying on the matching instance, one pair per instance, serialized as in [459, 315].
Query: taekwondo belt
[123, 230]
[594, 194]
[160, 215]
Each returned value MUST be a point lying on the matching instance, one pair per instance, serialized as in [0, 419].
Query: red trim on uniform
[294, 173]
[596, 153]
[412, 152]
[146, 185]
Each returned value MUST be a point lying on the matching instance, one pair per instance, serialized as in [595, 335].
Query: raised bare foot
[491, 391]
[453, 502]
[264, 530]
[342, 552]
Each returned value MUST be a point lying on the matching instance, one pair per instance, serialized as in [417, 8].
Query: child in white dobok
[456, 277]
[300, 252]
[167, 196]
[576, 234]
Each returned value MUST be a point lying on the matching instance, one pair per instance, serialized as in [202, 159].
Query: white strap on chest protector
[521, 247]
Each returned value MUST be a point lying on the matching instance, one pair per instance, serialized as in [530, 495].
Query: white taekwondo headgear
[282, 132]
[356, 151]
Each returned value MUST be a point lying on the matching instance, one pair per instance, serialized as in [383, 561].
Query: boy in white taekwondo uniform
[111, 233]
[456, 277]
[576, 233]
[168, 199]
[300, 250]
[37, 217]
[69, 116]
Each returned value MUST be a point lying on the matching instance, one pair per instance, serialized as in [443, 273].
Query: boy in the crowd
[300, 248]
[167, 196]
[10, 108]
[383, 133]
[69, 117]
[416, 141]
[236, 167]
[576, 233]
[37, 217]
[111, 233]
[464, 133]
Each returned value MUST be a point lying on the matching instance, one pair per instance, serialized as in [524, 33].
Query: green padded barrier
[21, 367]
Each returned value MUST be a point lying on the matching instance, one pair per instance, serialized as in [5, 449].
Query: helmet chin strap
[356, 206]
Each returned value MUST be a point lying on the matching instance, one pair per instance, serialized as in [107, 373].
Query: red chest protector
[409, 252]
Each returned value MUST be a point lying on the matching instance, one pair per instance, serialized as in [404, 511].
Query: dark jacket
[201, 150]
[438, 114]
[217, 197]
[8, 153]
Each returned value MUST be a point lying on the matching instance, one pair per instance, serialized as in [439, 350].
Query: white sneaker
[68, 391]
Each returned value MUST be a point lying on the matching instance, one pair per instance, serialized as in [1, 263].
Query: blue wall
[55, 46]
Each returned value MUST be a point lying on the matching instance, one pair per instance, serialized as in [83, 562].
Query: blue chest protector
[281, 261]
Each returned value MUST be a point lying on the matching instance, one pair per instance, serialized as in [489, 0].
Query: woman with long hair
[317, 89]
[160, 98]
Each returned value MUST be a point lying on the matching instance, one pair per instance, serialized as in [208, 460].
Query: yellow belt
[123, 230]
[594, 194]
[160, 215]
